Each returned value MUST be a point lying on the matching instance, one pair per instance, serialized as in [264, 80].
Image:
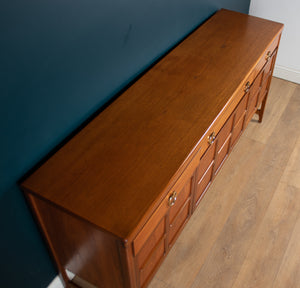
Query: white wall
[287, 12]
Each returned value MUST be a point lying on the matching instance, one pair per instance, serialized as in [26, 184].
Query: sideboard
[111, 202]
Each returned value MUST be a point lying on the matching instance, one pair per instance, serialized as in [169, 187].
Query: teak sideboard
[112, 201]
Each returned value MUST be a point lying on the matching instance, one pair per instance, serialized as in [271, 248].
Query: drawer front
[267, 70]
[239, 117]
[253, 97]
[204, 173]
[149, 228]
[203, 184]
[267, 74]
[237, 130]
[181, 199]
[240, 110]
[221, 155]
[256, 84]
[150, 245]
[151, 264]
[155, 237]
[179, 221]
[205, 162]
[223, 140]
[262, 62]
[172, 203]
[251, 107]
[263, 92]
[224, 134]
[269, 52]
[271, 48]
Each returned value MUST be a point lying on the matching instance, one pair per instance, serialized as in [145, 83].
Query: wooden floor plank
[292, 172]
[229, 252]
[289, 272]
[285, 134]
[267, 250]
[280, 94]
[159, 284]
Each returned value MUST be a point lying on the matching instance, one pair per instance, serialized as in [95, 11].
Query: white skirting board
[56, 283]
[287, 74]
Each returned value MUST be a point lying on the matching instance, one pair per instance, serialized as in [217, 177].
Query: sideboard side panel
[90, 254]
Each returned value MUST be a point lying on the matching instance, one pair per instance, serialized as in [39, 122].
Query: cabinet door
[222, 144]
[151, 262]
[159, 233]
[239, 119]
[253, 97]
[266, 79]
[179, 212]
[204, 173]
[149, 245]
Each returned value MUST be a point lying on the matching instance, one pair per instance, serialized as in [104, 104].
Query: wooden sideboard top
[115, 170]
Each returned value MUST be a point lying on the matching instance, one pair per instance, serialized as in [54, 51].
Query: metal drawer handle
[211, 138]
[172, 199]
[268, 56]
[247, 86]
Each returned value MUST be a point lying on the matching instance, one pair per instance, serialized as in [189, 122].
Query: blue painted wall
[60, 61]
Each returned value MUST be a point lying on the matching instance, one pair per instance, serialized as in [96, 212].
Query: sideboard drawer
[240, 110]
[179, 221]
[178, 195]
[150, 244]
[224, 133]
[237, 130]
[271, 48]
[181, 198]
[155, 237]
[253, 97]
[152, 261]
[223, 140]
[267, 70]
[204, 173]
[205, 161]
[203, 184]
[266, 56]
[181, 209]
[264, 89]
[148, 230]
[239, 120]
[261, 63]
[252, 100]
[221, 155]
[256, 84]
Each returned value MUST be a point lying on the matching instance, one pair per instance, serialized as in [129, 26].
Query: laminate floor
[246, 231]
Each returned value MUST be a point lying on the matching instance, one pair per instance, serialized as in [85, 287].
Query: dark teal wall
[60, 61]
